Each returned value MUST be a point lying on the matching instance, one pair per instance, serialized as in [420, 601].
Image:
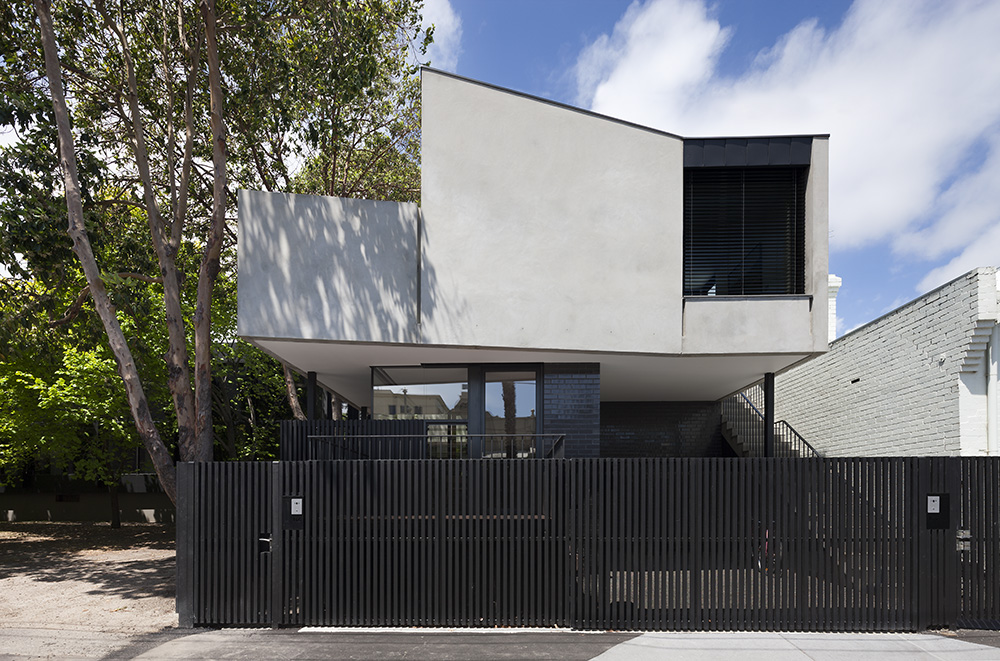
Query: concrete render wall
[315, 267]
[547, 227]
[817, 240]
[540, 227]
[896, 386]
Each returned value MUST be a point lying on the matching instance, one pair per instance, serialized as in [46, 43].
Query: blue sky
[909, 91]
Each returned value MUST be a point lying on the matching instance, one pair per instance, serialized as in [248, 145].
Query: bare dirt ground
[81, 590]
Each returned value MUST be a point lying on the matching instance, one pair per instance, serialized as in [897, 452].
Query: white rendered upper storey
[550, 234]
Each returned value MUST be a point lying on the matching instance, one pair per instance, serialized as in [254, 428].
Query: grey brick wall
[891, 387]
[572, 406]
[662, 429]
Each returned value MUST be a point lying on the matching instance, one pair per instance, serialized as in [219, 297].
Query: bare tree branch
[73, 310]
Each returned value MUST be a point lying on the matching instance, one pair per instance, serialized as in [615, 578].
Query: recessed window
[744, 230]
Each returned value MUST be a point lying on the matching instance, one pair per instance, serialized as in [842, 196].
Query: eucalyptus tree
[142, 95]
[328, 102]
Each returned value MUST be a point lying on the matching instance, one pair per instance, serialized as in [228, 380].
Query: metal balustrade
[743, 424]
[433, 445]
[408, 439]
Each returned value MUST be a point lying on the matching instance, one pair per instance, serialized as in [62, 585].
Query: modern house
[580, 275]
[569, 281]
[918, 381]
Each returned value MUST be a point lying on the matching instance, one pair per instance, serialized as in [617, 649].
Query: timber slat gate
[640, 544]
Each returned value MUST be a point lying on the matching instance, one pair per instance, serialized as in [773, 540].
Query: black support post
[311, 395]
[769, 414]
[477, 410]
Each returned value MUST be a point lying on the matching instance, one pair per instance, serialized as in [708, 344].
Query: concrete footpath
[491, 644]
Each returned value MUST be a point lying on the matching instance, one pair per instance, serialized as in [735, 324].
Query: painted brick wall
[662, 429]
[572, 401]
[892, 386]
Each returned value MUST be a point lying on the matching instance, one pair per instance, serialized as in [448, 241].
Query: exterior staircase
[743, 428]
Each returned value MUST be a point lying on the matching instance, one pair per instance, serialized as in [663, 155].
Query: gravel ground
[81, 590]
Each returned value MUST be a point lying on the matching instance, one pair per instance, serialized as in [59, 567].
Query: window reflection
[415, 393]
[511, 420]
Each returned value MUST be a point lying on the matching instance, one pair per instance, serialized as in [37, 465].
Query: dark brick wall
[572, 406]
[662, 429]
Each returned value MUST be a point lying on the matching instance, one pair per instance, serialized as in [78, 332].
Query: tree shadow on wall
[329, 268]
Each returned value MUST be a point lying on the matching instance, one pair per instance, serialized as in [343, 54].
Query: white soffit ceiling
[346, 367]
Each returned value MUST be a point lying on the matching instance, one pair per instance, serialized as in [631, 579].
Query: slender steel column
[477, 410]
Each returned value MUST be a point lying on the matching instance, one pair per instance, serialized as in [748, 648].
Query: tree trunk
[213, 247]
[509, 416]
[162, 460]
[293, 397]
[509, 407]
[178, 370]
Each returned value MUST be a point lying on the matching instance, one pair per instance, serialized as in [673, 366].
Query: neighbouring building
[566, 273]
[920, 380]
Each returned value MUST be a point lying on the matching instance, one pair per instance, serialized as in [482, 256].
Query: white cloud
[907, 89]
[984, 250]
[447, 46]
[965, 209]
[658, 53]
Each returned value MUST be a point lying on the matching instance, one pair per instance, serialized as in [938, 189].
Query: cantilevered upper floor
[685, 267]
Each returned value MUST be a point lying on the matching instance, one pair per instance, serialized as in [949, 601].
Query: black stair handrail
[784, 430]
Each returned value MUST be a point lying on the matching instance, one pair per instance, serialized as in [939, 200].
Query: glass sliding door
[473, 411]
[439, 396]
[511, 413]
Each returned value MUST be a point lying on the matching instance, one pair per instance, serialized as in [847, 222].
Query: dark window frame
[744, 230]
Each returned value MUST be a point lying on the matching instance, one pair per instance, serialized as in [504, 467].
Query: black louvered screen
[744, 231]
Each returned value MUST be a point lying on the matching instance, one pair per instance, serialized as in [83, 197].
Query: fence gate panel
[422, 543]
[779, 544]
[978, 537]
[224, 543]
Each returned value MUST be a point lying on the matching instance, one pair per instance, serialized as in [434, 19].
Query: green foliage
[320, 97]
[327, 100]
[76, 417]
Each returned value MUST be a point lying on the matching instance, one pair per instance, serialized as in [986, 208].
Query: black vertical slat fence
[645, 544]
[223, 543]
[979, 571]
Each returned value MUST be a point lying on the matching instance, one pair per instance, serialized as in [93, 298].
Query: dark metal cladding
[740, 152]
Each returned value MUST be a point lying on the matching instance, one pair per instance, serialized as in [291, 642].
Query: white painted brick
[907, 399]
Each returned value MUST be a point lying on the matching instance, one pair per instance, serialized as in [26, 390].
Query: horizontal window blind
[744, 231]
